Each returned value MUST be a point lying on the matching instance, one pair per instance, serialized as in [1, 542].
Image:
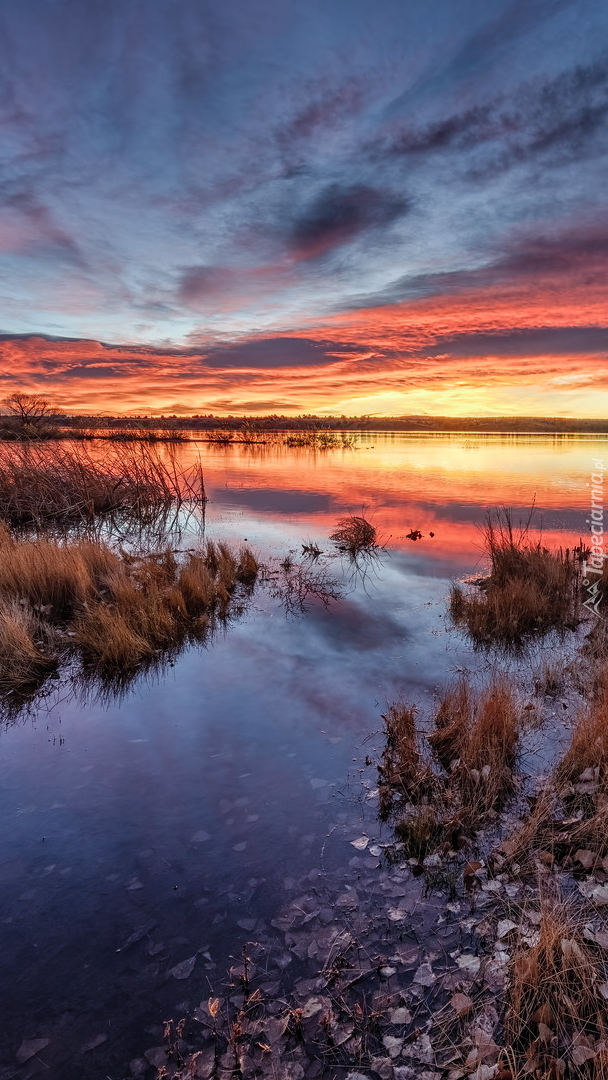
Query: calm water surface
[183, 807]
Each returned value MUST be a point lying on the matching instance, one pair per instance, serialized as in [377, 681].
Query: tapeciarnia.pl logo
[594, 567]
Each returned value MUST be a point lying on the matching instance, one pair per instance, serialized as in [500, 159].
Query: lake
[181, 812]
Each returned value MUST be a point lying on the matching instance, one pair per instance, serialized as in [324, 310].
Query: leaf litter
[405, 970]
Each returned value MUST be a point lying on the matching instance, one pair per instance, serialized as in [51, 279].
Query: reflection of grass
[297, 584]
[113, 610]
[529, 589]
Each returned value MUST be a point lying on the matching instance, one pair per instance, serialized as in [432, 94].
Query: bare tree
[31, 409]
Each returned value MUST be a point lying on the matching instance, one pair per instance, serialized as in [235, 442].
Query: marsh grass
[588, 749]
[251, 434]
[403, 772]
[24, 659]
[556, 1021]
[113, 610]
[440, 791]
[63, 486]
[550, 679]
[530, 589]
[570, 813]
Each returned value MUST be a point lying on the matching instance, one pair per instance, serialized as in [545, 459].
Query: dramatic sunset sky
[329, 206]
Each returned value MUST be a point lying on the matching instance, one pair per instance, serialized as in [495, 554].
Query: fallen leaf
[393, 1045]
[571, 948]
[486, 1072]
[157, 1056]
[400, 1016]
[136, 936]
[361, 843]
[424, 975]
[29, 1048]
[312, 1006]
[420, 1049]
[469, 963]
[545, 1033]
[595, 892]
[200, 837]
[547, 858]
[581, 1054]
[433, 861]
[274, 1027]
[544, 1015]
[505, 928]
[247, 924]
[585, 857]
[461, 1004]
[93, 1043]
[183, 970]
[600, 937]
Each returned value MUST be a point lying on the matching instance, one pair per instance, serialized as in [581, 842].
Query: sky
[331, 207]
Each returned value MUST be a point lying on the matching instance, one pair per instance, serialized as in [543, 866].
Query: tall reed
[68, 484]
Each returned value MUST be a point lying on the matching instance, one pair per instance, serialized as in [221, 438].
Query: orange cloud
[536, 346]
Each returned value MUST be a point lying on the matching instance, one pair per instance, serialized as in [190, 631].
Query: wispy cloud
[217, 184]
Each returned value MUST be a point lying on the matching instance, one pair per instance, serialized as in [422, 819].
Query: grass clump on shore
[62, 485]
[556, 1020]
[529, 590]
[113, 610]
[441, 796]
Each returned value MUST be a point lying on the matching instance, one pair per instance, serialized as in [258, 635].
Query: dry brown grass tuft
[354, 534]
[587, 756]
[530, 589]
[403, 770]
[48, 574]
[22, 661]
[452, 722]
[571, 812]
[114, 609]
[488, 753]
[550, 679]
[475, 746]
[41, 483]
[421, 832]
[556, 1022]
